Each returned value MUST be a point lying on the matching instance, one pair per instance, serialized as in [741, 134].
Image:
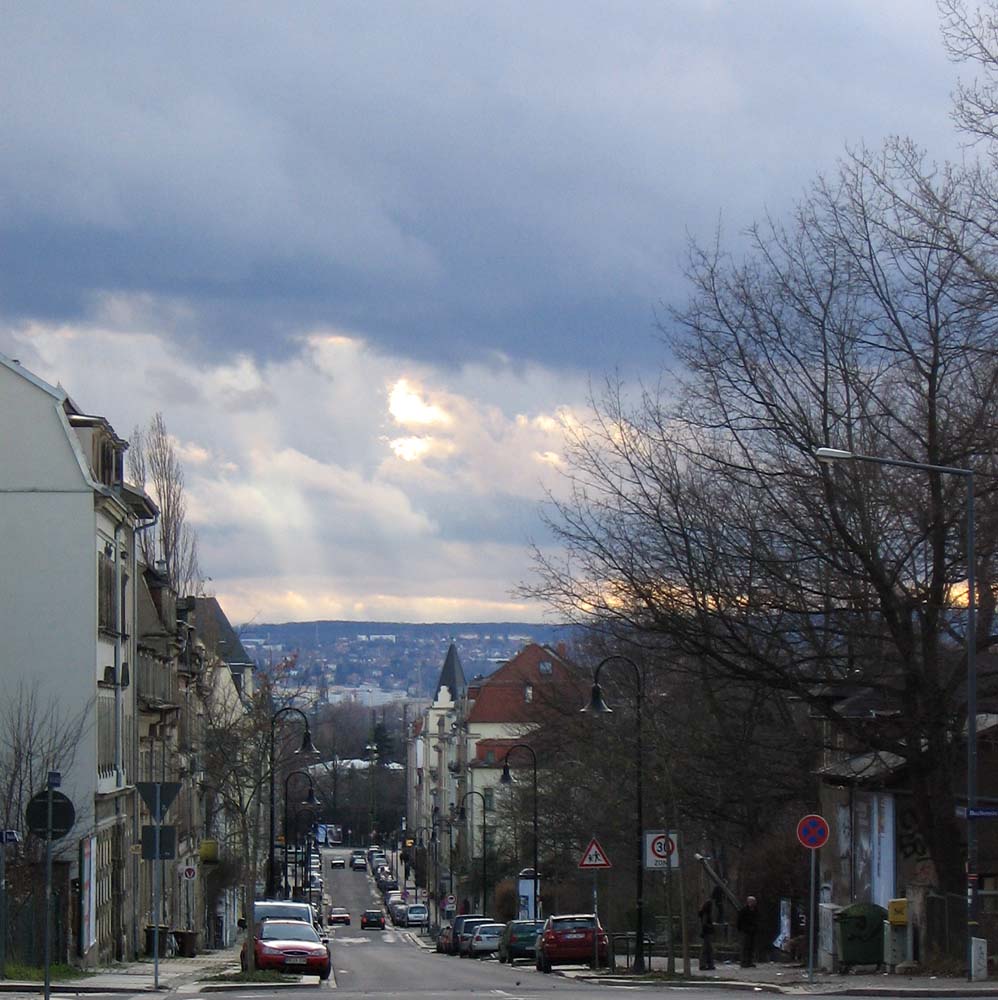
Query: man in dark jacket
[747, 925]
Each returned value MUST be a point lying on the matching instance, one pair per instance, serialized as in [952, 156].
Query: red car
[338, 915]
[568, 940]
[288, 946]
[372, 918]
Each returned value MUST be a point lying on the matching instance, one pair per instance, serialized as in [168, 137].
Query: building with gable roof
[68, 523]
[457, 750]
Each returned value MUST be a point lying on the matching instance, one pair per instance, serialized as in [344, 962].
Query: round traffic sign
[663, 846]
[812, 831]
[63, 814]
[189, 873]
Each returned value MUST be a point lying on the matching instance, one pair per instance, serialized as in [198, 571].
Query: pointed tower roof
[452, 676]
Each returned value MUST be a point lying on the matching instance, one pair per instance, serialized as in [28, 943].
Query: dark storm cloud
[446, 180]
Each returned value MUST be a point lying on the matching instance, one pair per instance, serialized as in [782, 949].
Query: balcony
[156, 684]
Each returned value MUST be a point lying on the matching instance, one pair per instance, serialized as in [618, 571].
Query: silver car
[485, 939]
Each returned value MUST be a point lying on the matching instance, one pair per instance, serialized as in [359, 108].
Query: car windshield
[374, 914]
[573, 924]
[287, 930]
[490, 930]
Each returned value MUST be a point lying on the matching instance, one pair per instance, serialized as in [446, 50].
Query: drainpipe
[118, 624]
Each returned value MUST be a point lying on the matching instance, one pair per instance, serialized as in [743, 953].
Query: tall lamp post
[463, 817]
[830, 455]
[507, 779]
[599, 706]
[310, 801]
[307, 747]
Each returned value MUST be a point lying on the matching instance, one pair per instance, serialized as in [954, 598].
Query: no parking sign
[661, 849]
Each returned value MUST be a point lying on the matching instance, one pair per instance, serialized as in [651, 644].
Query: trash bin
[164, 939]
[861, 934]
[187, 943]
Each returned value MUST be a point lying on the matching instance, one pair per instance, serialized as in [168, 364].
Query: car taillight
[550, 936]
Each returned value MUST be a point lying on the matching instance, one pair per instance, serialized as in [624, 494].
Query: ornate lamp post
[311, 801]
[831, 455]
[598, 705]
[307, 747]
[463, 817]
[507, 779]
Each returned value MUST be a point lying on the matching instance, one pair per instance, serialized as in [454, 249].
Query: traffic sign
[661, 849]
[812, 831]
[188, 872]
[63, 814]
[167, 793]
[594, 856]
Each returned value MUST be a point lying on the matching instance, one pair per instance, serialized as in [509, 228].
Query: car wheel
[545, 965]
[502, 958]
[324, 975]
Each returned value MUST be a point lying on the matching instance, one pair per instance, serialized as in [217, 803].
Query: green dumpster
[861, 934]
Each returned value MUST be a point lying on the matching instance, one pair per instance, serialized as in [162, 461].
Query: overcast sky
[366, 257]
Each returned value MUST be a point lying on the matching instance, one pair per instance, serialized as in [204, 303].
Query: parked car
[417, 915]
[372, 918]
[456, 925]
[287, 946]
[567, 939]
[444, 939]
[519, 940]
[388, 884]
[467, 930]
[397, 912]
[485, 939]
[339, 915]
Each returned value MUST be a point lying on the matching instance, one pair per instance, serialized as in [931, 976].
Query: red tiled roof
[502, 697]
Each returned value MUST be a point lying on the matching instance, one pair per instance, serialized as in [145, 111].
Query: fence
[26, 927]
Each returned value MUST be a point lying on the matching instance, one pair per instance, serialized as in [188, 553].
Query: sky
[370, 259]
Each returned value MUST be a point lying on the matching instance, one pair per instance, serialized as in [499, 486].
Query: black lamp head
[596, 702]
[505, 778]
[307, 746]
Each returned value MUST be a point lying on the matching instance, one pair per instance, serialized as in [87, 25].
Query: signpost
[812, 832]
[6, 837]
[51, 815]
[594, 858]
[157, 795]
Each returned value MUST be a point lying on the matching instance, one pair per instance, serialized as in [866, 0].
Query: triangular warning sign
[594, 856]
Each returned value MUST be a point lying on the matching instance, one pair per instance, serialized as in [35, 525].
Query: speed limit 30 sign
[661, 849]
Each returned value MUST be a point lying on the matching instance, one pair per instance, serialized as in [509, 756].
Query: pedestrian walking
[747, 925]
[706, 914]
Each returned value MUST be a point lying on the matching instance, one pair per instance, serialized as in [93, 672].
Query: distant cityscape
[380, 662]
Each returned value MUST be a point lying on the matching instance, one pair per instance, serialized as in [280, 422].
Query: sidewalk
[134, 977]
[787, 978]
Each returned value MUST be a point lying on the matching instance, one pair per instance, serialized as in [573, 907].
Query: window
[105, 592]
[490, 756]
[544, 667]
[528, 693]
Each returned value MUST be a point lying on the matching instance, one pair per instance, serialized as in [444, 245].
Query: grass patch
[19, 972]
[257, 976]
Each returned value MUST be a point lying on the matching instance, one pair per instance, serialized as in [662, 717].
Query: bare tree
[36, 736]
[699, 522]
[153, 460]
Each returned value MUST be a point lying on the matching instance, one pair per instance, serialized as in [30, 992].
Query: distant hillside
[307, 635]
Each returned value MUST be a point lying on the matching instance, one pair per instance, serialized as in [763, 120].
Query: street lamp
[507, 779]
[307, 747]
[310, 801]
[830, 455]
[599, 706]
[463, 817]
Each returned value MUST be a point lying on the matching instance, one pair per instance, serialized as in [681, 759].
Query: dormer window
[528, 693]
[544, 667]
[490, 756]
